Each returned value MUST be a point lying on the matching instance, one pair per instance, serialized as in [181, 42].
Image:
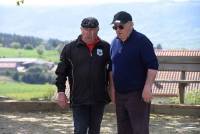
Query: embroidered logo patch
[99, 52]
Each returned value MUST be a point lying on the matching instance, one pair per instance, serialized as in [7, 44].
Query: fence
[185, 66]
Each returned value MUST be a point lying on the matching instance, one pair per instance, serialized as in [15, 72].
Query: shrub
[28, 46]
[38, 75]
[40, 50]
[15, 45]
[193, 97]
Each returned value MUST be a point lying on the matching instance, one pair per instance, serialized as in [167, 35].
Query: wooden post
[181, 87]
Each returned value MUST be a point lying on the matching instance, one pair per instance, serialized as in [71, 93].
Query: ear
[97, 29]
[81, 29]
[132, 24]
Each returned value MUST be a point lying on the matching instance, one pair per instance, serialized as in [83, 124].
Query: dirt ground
[61, 123]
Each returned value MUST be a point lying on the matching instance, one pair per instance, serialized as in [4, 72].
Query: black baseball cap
[121, 17]
[89, 22]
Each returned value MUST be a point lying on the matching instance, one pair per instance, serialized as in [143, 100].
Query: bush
[28, 46]
[40, 50]
[15, 45]
[16, 76]
[10, 73]
[60, 47]
[51, 77]
[38, 75]
[193, 97]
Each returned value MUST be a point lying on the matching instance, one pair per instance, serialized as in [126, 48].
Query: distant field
[50, 55]
[22, 91]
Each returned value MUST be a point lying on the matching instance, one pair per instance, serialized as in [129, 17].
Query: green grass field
[22, 91]
[50, 55]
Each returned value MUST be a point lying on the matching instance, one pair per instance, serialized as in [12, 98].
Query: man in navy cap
[134, 68]
[86, 63]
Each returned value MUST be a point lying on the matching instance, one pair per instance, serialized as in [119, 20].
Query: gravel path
[61, 123]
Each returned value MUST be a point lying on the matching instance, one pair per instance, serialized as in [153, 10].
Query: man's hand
[147, 91]
[111, 88]
[62, 100]
[147, 94]
[113, 95]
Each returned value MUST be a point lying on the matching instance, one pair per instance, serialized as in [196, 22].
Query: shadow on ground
[61, 123]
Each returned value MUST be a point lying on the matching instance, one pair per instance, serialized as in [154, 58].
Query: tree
[15, 45]
[28, 41]
[159, 46]
[52, 43]
[40, 50]
[19, 2]
[60, 47]
[28, 46]
[38, 74]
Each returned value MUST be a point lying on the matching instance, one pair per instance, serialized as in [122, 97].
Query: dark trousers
[87, 118]
[132, 113]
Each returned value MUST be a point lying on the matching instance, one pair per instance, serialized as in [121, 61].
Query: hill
[174, 25]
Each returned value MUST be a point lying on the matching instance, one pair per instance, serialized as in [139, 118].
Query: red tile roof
[7, 65]
[177, 52]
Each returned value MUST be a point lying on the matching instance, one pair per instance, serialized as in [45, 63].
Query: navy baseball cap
[89, 22]
[121, 17]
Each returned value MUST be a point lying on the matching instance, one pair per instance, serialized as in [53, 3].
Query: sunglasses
[119, 26]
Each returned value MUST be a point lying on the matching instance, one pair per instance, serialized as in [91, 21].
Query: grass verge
[22, 91]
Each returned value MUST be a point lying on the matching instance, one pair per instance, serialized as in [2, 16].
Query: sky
[183, 23]
[74, 2]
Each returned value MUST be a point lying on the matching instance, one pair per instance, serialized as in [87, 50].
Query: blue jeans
[87, 118]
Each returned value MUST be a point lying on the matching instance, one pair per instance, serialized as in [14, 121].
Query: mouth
[119, 34]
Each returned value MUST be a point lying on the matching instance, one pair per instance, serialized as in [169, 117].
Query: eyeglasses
[119, 26]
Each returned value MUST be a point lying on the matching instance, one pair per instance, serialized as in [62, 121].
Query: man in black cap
[86, 63]
[134, 68]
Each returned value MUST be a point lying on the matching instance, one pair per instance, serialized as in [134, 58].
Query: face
[123, 30]
[89, 35]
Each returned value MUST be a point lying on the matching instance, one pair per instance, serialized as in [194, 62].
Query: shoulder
[115, 41]
[68, 46]
[139, 35]
[143, 39]
[105, 43]
[71, 44]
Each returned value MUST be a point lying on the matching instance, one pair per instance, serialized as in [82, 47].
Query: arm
[151, 63]
[62, 72]
[111, 82]
[147, 91]
[111, 87]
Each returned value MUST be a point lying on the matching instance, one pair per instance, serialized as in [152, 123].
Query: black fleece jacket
[87, 72]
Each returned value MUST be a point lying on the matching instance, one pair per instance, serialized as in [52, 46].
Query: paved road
[61, 123]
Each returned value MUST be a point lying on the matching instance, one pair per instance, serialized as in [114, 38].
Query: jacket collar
[80, 42]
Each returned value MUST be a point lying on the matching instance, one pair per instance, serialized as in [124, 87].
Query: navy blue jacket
[131, 60]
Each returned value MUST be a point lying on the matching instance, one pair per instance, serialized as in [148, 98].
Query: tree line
[29, 42]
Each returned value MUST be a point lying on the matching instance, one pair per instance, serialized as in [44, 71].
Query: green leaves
[19, 2]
